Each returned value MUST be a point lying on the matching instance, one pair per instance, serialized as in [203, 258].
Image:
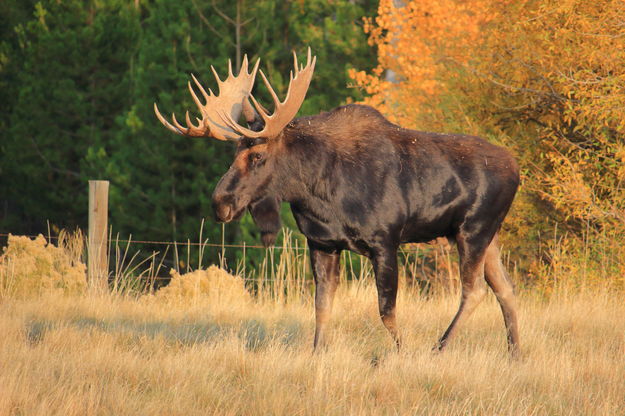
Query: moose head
[248, 184]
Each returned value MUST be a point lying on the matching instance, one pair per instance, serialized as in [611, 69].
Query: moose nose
[223, 209]
[224, 213]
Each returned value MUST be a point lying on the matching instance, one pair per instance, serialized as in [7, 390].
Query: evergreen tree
[67, 73]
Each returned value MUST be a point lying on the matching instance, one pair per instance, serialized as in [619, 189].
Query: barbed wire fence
[355, 267]
[168, 244]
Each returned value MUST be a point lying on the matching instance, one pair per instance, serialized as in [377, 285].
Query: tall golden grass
[198, 351]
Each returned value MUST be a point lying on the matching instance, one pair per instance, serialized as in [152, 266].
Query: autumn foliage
[412, 41]
[546, 78]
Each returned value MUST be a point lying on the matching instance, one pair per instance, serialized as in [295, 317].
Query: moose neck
[304, 169]
[315, 153]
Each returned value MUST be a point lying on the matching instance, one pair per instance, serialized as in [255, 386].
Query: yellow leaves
[359, 76]
[371, 84]
[568, 187]
[41, 13]
[577, 91]
[368, 24]
[417, 42]
[619, 154]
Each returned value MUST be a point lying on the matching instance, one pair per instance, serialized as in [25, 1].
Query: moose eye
[255, 158]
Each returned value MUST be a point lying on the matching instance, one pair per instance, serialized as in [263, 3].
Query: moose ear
[266, 215]
[253, 119]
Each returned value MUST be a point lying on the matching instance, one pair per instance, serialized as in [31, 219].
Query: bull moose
[356, 181]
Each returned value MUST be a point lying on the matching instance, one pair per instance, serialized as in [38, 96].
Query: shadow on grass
[254, 333]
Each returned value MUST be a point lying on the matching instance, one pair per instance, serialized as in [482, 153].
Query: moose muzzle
[223, 207]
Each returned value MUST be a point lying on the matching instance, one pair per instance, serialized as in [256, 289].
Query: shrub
[212, 284]
[30, 267]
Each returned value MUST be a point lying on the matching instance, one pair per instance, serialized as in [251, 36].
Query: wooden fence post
[98, 235]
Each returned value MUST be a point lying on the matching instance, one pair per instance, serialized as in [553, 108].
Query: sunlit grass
[206, 344]
[82, 355]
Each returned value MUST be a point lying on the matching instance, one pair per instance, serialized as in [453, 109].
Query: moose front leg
[326, 270]
[385, 269]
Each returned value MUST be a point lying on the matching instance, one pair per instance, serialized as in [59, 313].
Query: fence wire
[259, 279]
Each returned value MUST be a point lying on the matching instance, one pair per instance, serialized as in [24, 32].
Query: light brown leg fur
[326, 269]
[471, 259]
[499, 282]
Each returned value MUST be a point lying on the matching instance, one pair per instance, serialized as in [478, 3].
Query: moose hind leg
[473, 286]
[385, 268]
[326, 270]
[497, 279]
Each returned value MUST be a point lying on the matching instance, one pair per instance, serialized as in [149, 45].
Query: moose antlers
[221, 112]
[232, 92]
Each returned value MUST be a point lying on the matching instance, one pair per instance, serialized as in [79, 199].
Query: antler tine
[184, 130]
[261, 110]
[255, 69]
[274, 96]
[165, 122]
[243, 66]
[309, 68]
[193, 130]
[201, 88]
[216, 76]
[227, 119]
[195, 98]
[308, 56]
[230, 69]
[294, 65]
[203, 129]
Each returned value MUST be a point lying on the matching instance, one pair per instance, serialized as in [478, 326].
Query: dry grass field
[236, 355]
